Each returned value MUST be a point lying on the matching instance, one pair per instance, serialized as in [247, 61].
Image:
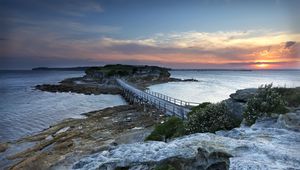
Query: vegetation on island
[126, 70]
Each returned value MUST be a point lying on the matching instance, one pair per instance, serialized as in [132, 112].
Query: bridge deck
[169, 105]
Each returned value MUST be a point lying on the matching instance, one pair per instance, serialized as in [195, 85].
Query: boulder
[243, 95]
[236, 108]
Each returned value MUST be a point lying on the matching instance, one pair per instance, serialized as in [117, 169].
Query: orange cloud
[239, 49]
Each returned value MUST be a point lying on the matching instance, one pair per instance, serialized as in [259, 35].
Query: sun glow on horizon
[262, 66]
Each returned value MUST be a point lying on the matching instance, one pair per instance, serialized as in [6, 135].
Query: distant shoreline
[212, 70]
[60, 68]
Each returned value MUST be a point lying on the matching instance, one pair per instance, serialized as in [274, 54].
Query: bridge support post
[158, 104]
[182, 113]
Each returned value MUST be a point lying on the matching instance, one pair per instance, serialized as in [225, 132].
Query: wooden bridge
[167, 104]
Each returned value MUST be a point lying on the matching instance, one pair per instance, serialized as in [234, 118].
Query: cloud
[239, 45]
[210, 40]
[191, 49]
[289, 44]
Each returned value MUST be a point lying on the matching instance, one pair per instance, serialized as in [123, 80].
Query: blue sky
[179, 34]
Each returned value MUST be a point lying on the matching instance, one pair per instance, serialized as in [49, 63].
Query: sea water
[215, 86]
[25, 110]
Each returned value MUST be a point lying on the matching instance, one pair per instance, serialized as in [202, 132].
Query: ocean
[215, 86]
[25, 110]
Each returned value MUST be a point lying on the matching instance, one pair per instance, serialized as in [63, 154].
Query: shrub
[164, 167]
[265, 102]
[200, 106]
[173, 127]
[290, 95]
[210, 118]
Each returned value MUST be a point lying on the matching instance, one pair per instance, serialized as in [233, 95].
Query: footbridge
[167, 104]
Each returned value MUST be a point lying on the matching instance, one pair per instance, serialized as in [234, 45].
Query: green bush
[265, 102]
[171, 128]
[210, 118]
[290, 95]
[200, 106]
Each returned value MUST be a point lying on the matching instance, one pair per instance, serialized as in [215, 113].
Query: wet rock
[3, 147]
[62, 130]
[190, 80]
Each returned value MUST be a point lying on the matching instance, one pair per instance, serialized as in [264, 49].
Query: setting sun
[262, 65]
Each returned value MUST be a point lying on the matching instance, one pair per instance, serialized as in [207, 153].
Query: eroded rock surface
[272, 143]
[64, 143]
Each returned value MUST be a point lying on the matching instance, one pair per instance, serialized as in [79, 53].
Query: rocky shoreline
[271, 143]
[65, 142]
[84, 86]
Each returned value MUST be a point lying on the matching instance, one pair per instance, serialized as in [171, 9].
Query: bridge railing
[166, 107]
[171, 99]
[169, 105]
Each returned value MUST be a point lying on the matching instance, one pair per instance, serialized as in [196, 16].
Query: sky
[196, 34]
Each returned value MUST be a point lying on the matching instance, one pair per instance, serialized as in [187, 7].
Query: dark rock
[236, 108]
[80, 164]
[218, 166]
[3, 147]
[190, 80]
[243, 95]
[78, 89]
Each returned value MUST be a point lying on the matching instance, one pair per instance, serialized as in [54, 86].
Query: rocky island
[101, 80]
[252, 129]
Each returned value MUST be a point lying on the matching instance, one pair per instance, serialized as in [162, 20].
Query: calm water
[214, 86]
[24, 110]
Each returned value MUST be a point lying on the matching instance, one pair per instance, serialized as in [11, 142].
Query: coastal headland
[114, 138]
